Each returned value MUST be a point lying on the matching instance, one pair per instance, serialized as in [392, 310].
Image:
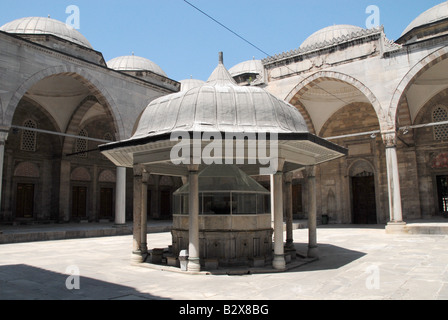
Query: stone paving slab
[355, 264]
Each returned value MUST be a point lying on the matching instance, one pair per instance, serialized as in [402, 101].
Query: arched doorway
[363, 193]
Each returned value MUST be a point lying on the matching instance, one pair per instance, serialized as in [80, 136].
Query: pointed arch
[83, 76]
[417, 70]
[294, 96]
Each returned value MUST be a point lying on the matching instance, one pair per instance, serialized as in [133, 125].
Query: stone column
[144, 213]
[313, 251]
[120, 197]
[393, 183]
[288, 211]
[64, 191]
[3, 138]
[193, 248]
[279, 262]
[137, 219]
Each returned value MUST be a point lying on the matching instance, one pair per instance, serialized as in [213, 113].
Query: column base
[194, 264]
[394, 227]
[279, 262]
[289, 244]
[313, 252]
[137, 257]
[119, 226]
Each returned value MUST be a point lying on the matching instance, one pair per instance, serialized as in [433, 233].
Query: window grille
[29, 138]
[440, 114]
[81, 145]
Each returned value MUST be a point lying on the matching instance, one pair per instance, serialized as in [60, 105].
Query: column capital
[138, 170]
[145, 176]
[287, 177]
[4, 131]
[310, 171]
[193, 167]
[390, 139]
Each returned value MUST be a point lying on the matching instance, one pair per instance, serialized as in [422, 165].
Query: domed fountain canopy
[220, 106]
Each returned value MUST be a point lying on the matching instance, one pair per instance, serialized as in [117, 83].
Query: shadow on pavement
[24, 282]
[330, 257]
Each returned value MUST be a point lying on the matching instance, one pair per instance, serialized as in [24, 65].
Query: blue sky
[186, 43]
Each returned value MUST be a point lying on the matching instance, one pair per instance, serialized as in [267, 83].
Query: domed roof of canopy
[134, 63]
[331, 34]
[220, 105]
[46, 26]
[436, 13]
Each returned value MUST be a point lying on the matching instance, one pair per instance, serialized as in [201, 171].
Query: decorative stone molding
[364, 33]
[107, 176]
[27, 169]
[80, 174]
[440, 161]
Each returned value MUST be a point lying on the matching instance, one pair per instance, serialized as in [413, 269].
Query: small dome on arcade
[330, 35]
[435, 14]
[46, 26]
[135, 63]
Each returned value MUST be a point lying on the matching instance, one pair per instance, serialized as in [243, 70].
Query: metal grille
[81, 145]
[438, 115]
[28, 142]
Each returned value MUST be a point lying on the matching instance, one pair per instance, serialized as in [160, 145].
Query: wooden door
[25, 201]
[79, 202]
[364, 203]
[442, 193]
[106, 202]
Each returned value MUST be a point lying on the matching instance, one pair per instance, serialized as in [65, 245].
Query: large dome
[331, 34]
[437, 13]
[135, 63]
[220, 105]
[41, 26]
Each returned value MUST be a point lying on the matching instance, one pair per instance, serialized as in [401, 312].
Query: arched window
[29, 138]
[81, 144]
[439, 114]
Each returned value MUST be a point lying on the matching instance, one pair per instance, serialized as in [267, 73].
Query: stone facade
[63, 91]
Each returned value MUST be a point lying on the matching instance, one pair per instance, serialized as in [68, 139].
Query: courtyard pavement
[356, 263]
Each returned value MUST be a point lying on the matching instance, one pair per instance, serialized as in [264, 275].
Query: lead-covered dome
[135, 63]
[46, 26]
[188, 84]
[220, 105]
[332, 34]
[247, 67]
[435, 14]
